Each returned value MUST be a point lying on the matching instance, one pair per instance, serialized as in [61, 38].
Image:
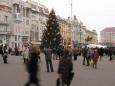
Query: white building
[78, 32]
[107, 36]
[5, 18]
[21, 22]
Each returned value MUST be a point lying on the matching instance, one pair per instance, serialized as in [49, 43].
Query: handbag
[71, 75]
[59, 81]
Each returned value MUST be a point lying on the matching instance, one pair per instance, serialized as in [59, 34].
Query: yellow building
[91, 37]
[65, 29]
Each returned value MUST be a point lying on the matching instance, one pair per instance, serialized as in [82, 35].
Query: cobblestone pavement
[14, 73]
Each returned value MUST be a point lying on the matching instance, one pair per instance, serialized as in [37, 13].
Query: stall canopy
[96, 46]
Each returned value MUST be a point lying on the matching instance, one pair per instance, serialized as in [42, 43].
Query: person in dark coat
[110, 54]
[101, 52]
[33, 68]
[65, 69]
[60, 51]
[85, 59]
[1, 50]
[75, 53]
[5, 54]
[48, 58]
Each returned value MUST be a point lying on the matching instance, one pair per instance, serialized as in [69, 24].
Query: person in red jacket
[95, 57]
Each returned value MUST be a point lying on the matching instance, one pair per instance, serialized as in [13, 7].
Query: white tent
[96, 46]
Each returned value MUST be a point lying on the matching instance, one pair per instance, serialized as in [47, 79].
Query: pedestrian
[1, 50]
[26, 54]
[101, 52]
[75, 53]
[48, 58]
[70, 52]
[5, 54]
[33, 67]
[16, 51]
[95, 57]
[84, 53]
[89, 55]
[10, 50]
[110, 54]
[65, 70]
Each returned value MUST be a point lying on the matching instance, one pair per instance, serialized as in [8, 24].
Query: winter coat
[65, 68]
[48, 54]
[33, 67]
[84, 52]
[95, 56]
[26, 53]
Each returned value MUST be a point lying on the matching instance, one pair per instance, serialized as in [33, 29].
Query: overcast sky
[95, 14]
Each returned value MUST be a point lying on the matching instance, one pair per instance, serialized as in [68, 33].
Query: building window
[5, 28]
[15, 38]
[6, 18]
[27, 22]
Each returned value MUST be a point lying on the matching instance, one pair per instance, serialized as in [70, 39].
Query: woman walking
[65, 69]
[32, 67]
[95, 57]
[26, 54]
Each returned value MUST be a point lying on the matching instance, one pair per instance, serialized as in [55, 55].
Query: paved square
[14, 73]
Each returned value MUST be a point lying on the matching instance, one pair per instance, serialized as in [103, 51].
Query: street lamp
[71, 9]
[80, 35]
[71, 25]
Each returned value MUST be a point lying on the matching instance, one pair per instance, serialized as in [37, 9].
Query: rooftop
[109, 29]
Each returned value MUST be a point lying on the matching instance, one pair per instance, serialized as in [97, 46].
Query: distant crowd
[66, 56]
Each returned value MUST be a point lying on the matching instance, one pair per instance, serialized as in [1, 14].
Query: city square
[52, 42]
[14, 73]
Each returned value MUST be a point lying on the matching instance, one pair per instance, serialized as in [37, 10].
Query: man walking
[5, 54]
[48, 58]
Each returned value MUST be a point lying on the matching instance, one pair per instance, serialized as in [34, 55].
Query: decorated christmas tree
[51, 36]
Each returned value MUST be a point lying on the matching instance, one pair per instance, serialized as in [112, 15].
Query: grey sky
[95, 14]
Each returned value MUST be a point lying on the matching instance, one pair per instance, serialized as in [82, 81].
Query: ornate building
[21, 22]
[65, 29]
[91, 37]
[78, 33]
[5, 18]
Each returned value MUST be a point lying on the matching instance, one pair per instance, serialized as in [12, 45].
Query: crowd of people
[66, 56]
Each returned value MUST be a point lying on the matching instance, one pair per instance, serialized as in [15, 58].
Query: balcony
[4, 22]
[16, 1]
[18, 17]
[5, 33]
[26, 5]
[5, 3]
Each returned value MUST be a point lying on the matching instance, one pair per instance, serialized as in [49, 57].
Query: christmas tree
[51, 36]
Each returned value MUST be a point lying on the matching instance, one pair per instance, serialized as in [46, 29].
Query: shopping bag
[91, 62]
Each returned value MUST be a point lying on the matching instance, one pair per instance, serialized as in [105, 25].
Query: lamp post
[80, 35]
[71, 24]
[71, 9]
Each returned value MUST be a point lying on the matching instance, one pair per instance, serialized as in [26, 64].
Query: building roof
[109, 29]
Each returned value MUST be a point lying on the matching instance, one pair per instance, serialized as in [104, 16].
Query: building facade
[21, 22]
[65, 29]
[5, 18]
[91, 37]
[78, 33]
[107, 36]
